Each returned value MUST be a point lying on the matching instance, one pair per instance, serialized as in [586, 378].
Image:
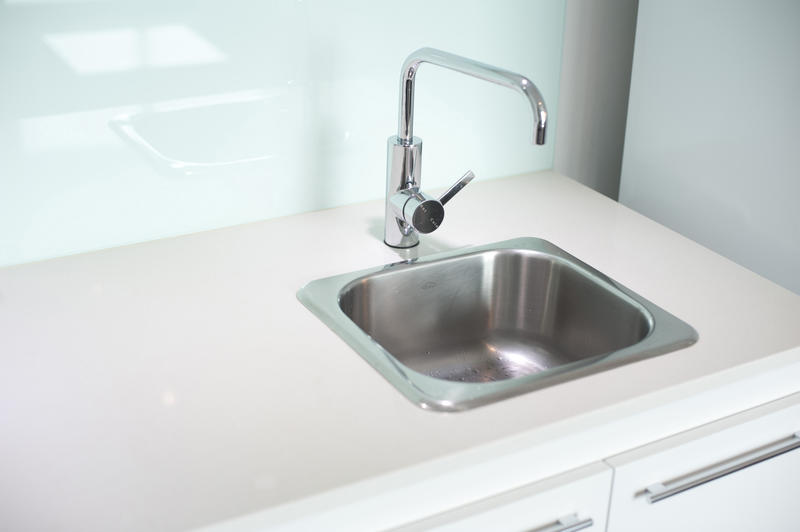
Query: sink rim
[667, 333]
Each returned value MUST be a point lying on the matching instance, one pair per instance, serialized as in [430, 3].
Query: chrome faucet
[409, 211]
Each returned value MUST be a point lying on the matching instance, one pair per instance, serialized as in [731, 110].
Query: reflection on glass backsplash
[212, 133]
[91, 52]
[124, 121]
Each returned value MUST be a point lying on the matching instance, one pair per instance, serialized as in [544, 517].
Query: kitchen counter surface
[179, 383]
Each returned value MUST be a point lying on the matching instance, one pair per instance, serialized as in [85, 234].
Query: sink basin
[462, 329]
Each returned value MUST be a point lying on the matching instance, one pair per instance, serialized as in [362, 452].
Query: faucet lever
[421, 211]
[456, 188]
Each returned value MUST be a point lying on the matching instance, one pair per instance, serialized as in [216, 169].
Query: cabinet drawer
[571, 501]
[740, 473]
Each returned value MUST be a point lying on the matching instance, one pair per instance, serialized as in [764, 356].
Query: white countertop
[179, 383]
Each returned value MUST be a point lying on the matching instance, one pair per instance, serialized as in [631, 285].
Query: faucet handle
[421, 211]
[424, 213]
[456, 188]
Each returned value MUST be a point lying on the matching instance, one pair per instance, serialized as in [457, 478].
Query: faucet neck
[521, 84]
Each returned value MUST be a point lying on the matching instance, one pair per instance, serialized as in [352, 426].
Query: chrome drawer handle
[662, 490]
[568, 523]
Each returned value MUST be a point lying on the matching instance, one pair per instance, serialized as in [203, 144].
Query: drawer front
[576, 500]
[741, 473]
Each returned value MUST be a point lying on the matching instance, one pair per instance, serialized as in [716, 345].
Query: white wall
[124, 121]
[595, 76]
[713, 132]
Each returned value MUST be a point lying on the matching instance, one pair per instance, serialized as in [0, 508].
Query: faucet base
[415, 244]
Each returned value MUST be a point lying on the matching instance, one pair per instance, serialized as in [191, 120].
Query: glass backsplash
[127, 121]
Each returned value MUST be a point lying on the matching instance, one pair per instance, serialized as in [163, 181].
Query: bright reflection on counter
[119, 50]
[168, 398]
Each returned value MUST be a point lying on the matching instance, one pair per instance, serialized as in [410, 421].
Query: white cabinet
[571, 501]
[741, 473]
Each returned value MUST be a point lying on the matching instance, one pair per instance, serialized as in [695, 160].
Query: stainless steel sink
[461, 329]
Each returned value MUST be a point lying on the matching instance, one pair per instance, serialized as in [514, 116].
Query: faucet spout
[521, 84]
